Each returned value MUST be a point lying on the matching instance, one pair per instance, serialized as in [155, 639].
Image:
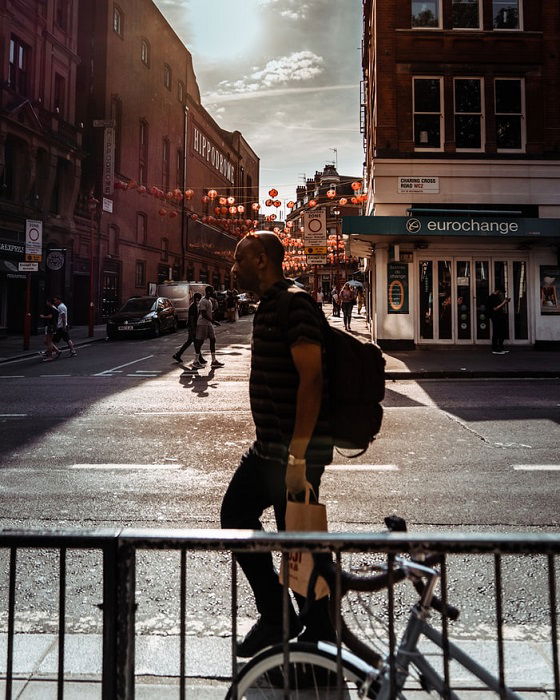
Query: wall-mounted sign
[55, 260]
[33, 240]
[28, 267]
[397, 288]
[109, 161]
[108, 205]
[11, 250]
[418, 185]
[316, 259]
[550, 291]
[315, 230]
[212, 155]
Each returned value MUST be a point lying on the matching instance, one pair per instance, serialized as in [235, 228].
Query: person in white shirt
[62, 326]
[205, 329]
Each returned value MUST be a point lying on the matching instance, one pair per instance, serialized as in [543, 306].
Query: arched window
[167, 76]
[180, 91]
[118, 20]
[145, 52]
[141, 228]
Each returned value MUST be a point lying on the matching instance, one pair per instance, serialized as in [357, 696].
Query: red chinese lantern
[268, 203]
[271, 217]
[255, 206]
[312, 203]
[342, 201]
[233, 210]
[212, 194]
[356, 185]
[248, 222]
[142, 189]
[231, 200]
[241, 209]
[217, 211]
[363, 197]
[204, 219]
[222, 201]
[223, 211]
[132, 185]
[277, 203]
[273, 193]
[189, 194]
[172, 214]
[355, 200]
[194, 217]
[291, 204]
[331, 194]
[205, 199]
[276, 230]
[162, 212]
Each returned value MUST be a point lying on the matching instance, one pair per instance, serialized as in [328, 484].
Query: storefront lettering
[502, 227]
[212, 155]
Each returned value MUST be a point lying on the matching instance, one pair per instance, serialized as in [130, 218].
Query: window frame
[519, 28]
[522, 115]
[164, 249]
[167, 76]
[118, 20]
[62, 15]
[19, 79]
[140, 280]
[59, 94]
[145, 44]
[165, 165]
[429, 149]
[181, 91]
[143, 152]
[469, 29]
[481, 114]
[430, 29]
[141, 239]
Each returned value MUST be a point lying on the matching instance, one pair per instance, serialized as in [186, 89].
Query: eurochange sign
[418, 226]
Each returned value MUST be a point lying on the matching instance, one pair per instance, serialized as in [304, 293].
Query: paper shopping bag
[309, 516]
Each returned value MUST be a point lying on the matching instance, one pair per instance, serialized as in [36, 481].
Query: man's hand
[296, 481]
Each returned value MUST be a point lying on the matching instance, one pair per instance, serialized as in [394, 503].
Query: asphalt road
[118, 436]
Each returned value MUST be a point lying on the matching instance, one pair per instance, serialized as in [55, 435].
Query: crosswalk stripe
[127, 466]
[536, 467]
[363, 467]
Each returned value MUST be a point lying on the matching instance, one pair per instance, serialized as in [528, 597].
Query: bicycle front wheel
[311, 674]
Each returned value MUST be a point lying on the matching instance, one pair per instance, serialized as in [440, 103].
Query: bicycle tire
[312, 674]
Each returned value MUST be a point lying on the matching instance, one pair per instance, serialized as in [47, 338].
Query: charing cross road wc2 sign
[450, 226]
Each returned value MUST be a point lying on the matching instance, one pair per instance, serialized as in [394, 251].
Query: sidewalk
[463, 361]
[11, 346]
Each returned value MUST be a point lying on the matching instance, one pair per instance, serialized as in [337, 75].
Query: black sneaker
[201, 360]
[177, 357]
[263, 634]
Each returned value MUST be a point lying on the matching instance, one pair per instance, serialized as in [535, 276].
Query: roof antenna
[335, 157]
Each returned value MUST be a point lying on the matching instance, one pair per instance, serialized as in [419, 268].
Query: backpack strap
[283, 304]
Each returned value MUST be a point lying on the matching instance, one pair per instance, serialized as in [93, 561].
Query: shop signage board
[316, 259]
[28, 267]
[419, 226]
[397, 288]
[109, 161]
[11, 250]
[33, 240]
[419, 185]
[315, 232]
[108, 205]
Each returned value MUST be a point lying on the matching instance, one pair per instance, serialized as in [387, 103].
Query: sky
[286, 73]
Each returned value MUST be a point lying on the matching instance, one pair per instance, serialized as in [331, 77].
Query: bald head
[258, 261]
[272, 245]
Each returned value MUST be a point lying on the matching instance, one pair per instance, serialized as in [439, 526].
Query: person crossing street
[205, 329]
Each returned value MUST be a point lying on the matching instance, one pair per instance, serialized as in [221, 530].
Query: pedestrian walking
[62, 328]
[205, 329]
[335, 302]
[192, 317]
[288, 395]
[361, 299]
[497, 309]
[231, 305]
[347, 301]
[319, 298]
[50, 316]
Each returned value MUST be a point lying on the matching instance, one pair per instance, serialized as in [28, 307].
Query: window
[140, 273]
[165, 165]
[428, 117]
[116, 115]
[113, 241]
[426, 14]
[59, 94]
[145, 52]
[143, 153]
[141, 228]
[61, 15]
[180, 92]
[179, 169]
[167, 76]
[468, 114]
[509, 98]
[20, 61]
[164, 249]
[465, 14]
[506, 14]
[118, 20]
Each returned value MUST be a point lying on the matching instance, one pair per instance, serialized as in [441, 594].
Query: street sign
[55, 260]
[316, 259]
[109, 161]
[316, 250]
[28, 267]
[104, 123]
[315, 228]
[108, 205]
[33, 240]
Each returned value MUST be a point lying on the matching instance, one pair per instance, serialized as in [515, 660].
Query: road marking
[127, 466]
[142, 376]
[362, 467]
[12, 376]
[127, 364]
[185, 413]
[55, 375]
[13, 415]
[536, 467]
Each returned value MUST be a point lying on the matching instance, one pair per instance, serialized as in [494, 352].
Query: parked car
[181, 295]
[151, 315]
[246, 303]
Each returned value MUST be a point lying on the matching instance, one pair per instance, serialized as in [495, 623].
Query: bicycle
[325, 670]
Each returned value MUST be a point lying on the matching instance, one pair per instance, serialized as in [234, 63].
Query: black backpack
[356, 381]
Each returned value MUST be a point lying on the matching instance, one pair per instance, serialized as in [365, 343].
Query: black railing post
[119, 613]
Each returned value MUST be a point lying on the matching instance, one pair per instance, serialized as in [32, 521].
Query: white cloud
[297, 67]
[292, 9]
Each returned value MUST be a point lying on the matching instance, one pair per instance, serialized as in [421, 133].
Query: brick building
[40, 148]
[138, 85]
[462, 140]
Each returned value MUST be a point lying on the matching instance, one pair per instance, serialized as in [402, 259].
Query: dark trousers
[335, 309]
[189, 341]
[258, 484]
[499, 331]
[347, 312]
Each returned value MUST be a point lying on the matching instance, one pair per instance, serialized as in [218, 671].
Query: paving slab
[29, 651]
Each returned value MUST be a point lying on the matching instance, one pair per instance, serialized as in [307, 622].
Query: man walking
[192, 318]
[347, 301]
[293, 443]
[62, 326]
[497, 309]
[205, 329]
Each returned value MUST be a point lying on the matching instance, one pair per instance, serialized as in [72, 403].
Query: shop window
[167, 76]
[140, 273]
[468, 114]
[164, 249]
[426, 14]
[506, 14]
[118, 20]
[113, 241]
[143, 153]
[61, 14]
[145, 52]
[510, 118]
[465, 14]
[19, 66]
[428, 114]
[59, 94]
[141, 228]
[165, 164]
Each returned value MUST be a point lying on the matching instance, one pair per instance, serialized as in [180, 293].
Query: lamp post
[92, 207]
[336, 212]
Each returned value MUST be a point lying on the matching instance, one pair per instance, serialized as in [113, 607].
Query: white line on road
[127, 466]
[203, 411]
[13, 415]
[55, 375]
[13, 376]
[363, 468]
[127, 364]
[536, 467]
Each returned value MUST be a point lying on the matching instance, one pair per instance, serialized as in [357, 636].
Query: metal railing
[119, 549]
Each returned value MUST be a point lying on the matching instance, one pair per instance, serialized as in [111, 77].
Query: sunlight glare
[224, 28]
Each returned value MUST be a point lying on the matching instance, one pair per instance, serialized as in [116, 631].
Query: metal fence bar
[445, 627]
[338, 600]
[392, 636]
[11, 622]
[500, 623]
[61, 623]
[234, 623]
[553, 622]
[183, 625]
[286, 623]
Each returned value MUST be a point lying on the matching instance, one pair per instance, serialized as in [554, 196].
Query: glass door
[481, 294]
[463, 306]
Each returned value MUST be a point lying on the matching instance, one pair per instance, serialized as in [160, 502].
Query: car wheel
[156, 329]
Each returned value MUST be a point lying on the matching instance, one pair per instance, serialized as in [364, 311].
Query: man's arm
[307, 358]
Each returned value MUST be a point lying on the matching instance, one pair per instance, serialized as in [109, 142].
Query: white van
[181, 294]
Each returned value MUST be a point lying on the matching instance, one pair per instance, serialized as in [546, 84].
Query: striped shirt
[274, 378]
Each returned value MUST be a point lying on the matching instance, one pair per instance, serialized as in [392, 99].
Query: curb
[23, 356]
[393, 375]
